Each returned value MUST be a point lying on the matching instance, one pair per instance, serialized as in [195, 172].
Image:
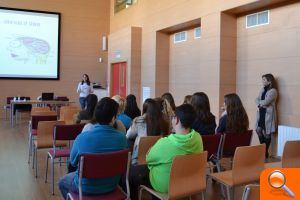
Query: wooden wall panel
[83, 23]
[274, 48]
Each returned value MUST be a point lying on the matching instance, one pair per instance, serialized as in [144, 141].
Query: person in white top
[84, 89]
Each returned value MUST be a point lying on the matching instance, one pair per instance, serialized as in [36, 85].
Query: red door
[118, 81]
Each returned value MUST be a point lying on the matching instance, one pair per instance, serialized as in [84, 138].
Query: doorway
[118, 79]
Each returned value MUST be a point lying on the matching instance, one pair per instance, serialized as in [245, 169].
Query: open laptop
[46, 96]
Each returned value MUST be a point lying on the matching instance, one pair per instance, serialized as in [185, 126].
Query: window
[257, 19]
[123, 4]
[197, 32]
[180, 37]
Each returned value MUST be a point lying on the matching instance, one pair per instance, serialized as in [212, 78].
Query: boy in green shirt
[184, 141]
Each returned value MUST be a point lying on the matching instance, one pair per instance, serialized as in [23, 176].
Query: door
[118, 79]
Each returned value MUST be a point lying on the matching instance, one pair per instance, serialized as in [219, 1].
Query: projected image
[26, 49]
[29, 44]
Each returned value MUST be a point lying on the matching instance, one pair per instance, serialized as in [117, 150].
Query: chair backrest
[67, 113]
[104, 165]
[251, 192]
[145, 144]
[188, 175]
[248, 163]
[45, 133]
[291, 154]
[42, 116]
[67, 132]
[39, 109]
[212, 144]
[234, 140]
[8, 99]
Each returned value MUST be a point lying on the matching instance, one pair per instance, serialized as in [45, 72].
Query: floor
[17, 176]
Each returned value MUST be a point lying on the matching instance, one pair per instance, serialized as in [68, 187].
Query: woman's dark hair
[87, 80]
[200, 103]
[186, 114]
[105, 110]
[91, 102]
[131, 108]
[271, 79]
[156, 125]
[237, 118]
[168, 96]
[187, 99]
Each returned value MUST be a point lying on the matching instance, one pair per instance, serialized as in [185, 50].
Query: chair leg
[52, 174]
[228, 189]
[29, 147]
[47, 159]
[36, 161]
[140, 193]
[33, 156]
[203, 195]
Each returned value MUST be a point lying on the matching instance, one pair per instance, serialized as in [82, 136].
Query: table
[32, 102]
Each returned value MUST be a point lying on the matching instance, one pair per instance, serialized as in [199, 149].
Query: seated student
[126, 120]
[131, 108]
[87, 114]
[234, 119]
[102, 138]
[183, 142]
[151, 123]
[205, 122]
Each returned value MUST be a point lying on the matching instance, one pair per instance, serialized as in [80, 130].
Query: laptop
[46, 96]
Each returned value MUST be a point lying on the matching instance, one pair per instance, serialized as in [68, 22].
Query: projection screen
[29, 44]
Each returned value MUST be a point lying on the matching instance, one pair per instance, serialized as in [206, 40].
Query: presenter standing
[84, 89]
[266, 113]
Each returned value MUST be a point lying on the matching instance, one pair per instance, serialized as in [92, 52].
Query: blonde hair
[121, 101]
[167, 109]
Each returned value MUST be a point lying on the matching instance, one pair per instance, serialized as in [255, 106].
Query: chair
[67, 114]
[7, 105]
[234, 140]
[103, 165]
[44, 139]
[290, 156]
[144, 145]
[61, 133]
[251, 192]
[33, 124]
[213, 145]
[37, 110]
[248, 163]
[187, 178]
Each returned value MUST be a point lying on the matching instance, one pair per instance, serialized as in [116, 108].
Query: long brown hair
[271, 79]
[237, 118]
[201, 105]
[156, 125]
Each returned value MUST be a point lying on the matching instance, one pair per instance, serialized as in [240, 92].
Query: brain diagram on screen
[29, 49]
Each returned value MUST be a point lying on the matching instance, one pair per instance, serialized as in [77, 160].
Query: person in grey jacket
[266, 113]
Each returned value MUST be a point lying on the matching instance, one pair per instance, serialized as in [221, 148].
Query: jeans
[65, 184]
[82, 101]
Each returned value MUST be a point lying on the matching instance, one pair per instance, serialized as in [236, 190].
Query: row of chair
[46, 131]
[187, 176]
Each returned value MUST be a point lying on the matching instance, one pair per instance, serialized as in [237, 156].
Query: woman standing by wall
[84, 89]
[266, 114]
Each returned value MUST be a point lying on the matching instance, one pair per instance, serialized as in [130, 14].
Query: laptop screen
[48, 96]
